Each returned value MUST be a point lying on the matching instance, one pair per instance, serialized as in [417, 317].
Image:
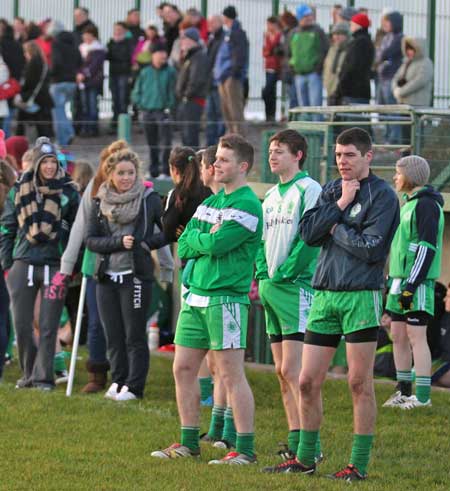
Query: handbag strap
[40, 83]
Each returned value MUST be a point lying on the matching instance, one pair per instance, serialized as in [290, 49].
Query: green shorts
[423, 299]
[345, 312]
[217, 326]
[286, 307]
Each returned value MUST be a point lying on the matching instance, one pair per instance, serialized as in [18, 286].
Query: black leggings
[123, 309]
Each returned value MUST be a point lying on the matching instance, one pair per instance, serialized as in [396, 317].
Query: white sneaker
[234, 458]
[125, 395]
[175, 451]
[396, 400]
[112, 392]
[412, 402]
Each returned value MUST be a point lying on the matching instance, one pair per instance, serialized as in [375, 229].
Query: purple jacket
[92, 66]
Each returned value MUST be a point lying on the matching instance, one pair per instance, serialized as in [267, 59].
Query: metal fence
[419, 21]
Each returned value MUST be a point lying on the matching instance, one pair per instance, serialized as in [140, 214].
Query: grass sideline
[51, 442]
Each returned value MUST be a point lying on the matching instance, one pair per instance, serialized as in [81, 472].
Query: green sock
[217, 421]
[306, 451]
[293, 439]
[10, 347]
[423, 388]
[206, 387]
[318, 447]
[190, 438]
[229, 430]
[245, 443]
[59, 362]
[362, 445]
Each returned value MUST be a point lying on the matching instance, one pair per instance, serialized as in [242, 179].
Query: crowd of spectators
[195, 68]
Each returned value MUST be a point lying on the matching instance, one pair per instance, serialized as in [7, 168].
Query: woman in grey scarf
[121, 232]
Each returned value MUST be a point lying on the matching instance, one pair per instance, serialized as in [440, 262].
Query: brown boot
[97, 376]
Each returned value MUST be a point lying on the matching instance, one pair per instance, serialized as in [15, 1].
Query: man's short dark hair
[209, 155]
[294, 141]
[356, 136]
[83, 9]
[91, 29]
[121, 24]
[242, 149]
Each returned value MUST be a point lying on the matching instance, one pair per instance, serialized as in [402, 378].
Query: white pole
[76, 338]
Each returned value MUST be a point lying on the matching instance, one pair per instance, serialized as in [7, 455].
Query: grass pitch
[51, 442]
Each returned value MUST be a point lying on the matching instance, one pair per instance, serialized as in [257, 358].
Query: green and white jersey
[223, 261]
[283, 256]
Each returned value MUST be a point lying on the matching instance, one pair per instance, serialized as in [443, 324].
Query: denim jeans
[4, 320]
[96, 335]
[158, 132]
[118, 85]
[309, 91]
[189, 115]
[385, 96]
[8, 120]
[62, 93]
[89, 124]
[269, 95]
[215, 127]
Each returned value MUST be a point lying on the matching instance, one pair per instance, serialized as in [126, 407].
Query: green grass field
[51, 442]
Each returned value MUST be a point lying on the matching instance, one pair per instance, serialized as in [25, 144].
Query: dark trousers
[118, 85]
[35, 357]
[215, 127]
[96, 335]
[4, 320]
[189, 115]
[269, 95]
[158, 132]
[89, 105]
[123, 311]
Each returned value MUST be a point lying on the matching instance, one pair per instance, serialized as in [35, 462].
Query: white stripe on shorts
[231, 319]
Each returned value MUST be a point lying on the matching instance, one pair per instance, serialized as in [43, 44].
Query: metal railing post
[124, 127]
[16, 8]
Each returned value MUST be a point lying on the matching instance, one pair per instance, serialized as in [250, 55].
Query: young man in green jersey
[223, 238]
[414, 265]
[285, 266]
[354, 222]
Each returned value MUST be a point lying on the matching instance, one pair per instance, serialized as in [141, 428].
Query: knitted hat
[3, 151]
[415, 169]
[302, 11]
[361, 19]
[43, 148]
[192, 33]
[348, 13]
[341, 28]
[230, 12]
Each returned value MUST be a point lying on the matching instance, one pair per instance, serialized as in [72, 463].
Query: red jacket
[272, 61]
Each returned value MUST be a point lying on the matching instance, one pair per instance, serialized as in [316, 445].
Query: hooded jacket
[308, 47]
[93, 56]
[100, 240]
[416, 250]
[13, 242]
[352, 257]
[413, 82]
[389, 55]
[354, 78]
[154, 89]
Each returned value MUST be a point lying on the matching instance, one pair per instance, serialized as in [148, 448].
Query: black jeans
[189, 115]
[123, 309]
[158, 132]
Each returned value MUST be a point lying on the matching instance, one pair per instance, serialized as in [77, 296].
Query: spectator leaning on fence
[308, 46]
[388, 59]
[154, 95]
